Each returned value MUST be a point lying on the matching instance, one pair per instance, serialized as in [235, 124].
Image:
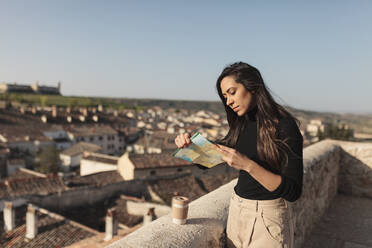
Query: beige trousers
[259, 223]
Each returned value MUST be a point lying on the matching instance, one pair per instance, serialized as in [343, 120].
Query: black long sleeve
[291, 186]
[292, 175]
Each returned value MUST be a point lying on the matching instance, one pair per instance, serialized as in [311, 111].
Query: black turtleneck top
[292, 173]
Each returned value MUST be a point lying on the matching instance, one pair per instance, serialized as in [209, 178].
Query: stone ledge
[205, 225]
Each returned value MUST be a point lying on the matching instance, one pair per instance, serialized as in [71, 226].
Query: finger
[225, 148]
[178, 144]
[182, 139]
[223, 152]
[187, 136]
[226, 159]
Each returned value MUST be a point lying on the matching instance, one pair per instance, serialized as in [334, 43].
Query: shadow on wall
[355, 176]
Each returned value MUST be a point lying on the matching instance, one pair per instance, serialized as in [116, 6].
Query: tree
[47, 160]
[43, 100]
[336, 132]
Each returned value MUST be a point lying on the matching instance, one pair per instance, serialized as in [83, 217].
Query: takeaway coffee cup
[180, 207]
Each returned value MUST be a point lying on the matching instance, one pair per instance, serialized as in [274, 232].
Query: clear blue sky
[314, 55]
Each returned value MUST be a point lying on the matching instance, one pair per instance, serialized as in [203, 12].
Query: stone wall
[321, 167]
[208, 214]
[355, 177]
[88, 195]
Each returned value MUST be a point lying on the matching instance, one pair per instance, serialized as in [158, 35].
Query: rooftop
[91, 130]
[98, 179]
[20, 128]
[102, 158]
[53, 231]
[156, 160]
[31, 185]
[79, 148]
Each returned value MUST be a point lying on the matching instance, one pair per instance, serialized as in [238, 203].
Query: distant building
[3, 157]
[315, 127]
[104, 136]
[59, 136]
[48, 90]
[94, 163]
[14, 164]
[25, 141]
[154, 142]
[15, 88]
[32, 89]
[71, 157]
[152, 166]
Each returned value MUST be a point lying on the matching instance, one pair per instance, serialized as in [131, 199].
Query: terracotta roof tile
[52, 232]
[79, 148]
[32, 186]
[184, 186]
[98, 179]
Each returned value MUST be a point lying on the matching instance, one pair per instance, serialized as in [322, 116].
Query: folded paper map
[200, 151]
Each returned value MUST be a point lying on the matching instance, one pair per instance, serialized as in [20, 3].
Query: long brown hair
[269, 147]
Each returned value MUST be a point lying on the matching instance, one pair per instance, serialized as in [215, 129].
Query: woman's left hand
[234, 158]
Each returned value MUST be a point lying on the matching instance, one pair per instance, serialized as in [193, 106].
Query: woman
[264, 143]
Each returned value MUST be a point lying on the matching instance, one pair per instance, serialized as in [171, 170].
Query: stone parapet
[321, 166]
[355, 177]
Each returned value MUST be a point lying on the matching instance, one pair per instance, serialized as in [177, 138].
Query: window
[179, 169]
[91, 138]
[100, 138]
[152, 173]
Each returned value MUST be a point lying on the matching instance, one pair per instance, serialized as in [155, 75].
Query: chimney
[85, 112]
[82, 118]
[33, 110]
[68, 110]
[31, 222]
[69, 119]
[116, 113]
[95, 118]
[44, 119]
[22, 109]
[149, 216]
[94, 110]
[54, 111]
[9, 217]
[111, 224]
[100, 108]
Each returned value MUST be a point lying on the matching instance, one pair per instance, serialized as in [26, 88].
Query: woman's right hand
[183, 140]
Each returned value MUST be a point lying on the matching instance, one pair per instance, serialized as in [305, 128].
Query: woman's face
[236, 96]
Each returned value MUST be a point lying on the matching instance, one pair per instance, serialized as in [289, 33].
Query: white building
[104, 136]
[152, 166]
[71, 157]
[315, 127]
[94, 163]
[59, 135]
